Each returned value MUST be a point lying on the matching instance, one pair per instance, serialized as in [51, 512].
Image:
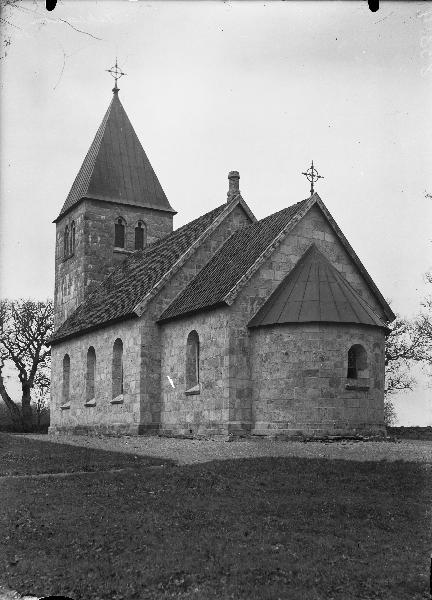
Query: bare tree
[25, 327]
[41, 393]
[423, 327]
[401, 350]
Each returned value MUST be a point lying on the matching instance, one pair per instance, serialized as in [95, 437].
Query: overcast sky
[257, 87]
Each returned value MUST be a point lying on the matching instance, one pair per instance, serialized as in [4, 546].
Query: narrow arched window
[91, 372]
[119, 233]
[192, 362]
[357, 362]
[117, 369]
[72, 238]
[66, 379]
[140, 235]
[66, 242]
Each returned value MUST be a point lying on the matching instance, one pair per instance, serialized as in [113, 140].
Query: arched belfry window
[91, 372]
[117, 369]
[192, 363]
[66, 242]
[357, 362]
[66, 379]
[72, 237]
[140, 235]
[119, 233]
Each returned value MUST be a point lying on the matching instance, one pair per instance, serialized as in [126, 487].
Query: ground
[124, 518]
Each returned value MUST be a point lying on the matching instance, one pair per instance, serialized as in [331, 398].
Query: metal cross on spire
[312, 176]
[116, 72]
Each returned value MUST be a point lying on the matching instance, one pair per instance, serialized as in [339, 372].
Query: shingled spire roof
[116, 168]
[315, 292]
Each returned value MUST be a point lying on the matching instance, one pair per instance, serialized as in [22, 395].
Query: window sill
[91, 402]
[65, 406]
[361, 387]
[193, 391]
[122, 250]
[117, 400]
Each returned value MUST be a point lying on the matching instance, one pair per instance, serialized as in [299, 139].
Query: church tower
[116, 206]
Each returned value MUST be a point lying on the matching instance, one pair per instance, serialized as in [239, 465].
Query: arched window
[119, 233]
[72, 238]
[66, 379]
[357, 362]
[66, 242]
[140, 235]
[91, 372]
[117, 368]
[192, 362]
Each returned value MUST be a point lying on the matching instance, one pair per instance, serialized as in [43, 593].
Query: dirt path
[196, 451]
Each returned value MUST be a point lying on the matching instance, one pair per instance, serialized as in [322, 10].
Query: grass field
[261, 528]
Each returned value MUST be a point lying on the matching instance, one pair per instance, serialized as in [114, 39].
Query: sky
[258, 87]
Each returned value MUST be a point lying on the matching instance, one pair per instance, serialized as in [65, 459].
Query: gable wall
[313, 228]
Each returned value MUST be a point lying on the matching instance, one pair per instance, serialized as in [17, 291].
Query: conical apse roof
[116, 168]
[315, 291]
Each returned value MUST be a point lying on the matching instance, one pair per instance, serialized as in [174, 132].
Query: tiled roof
[116, 168]
[239, 253]
[315, 291]
[128, 284]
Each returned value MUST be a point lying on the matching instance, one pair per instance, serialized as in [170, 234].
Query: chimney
[233, 190]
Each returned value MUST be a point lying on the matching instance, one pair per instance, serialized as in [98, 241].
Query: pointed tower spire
[116, 168]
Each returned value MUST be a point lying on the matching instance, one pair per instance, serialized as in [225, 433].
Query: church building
[227, 325]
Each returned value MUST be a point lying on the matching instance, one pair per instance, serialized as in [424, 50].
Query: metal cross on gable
[312, 176]
[116, 72]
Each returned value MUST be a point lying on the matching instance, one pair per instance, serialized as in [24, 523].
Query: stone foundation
[115, 429]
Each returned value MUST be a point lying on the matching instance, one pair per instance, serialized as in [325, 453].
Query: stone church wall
[69, 271]
[300, 385]
[105, 416]
[313, 228]
[152, 405]
[206, 412]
